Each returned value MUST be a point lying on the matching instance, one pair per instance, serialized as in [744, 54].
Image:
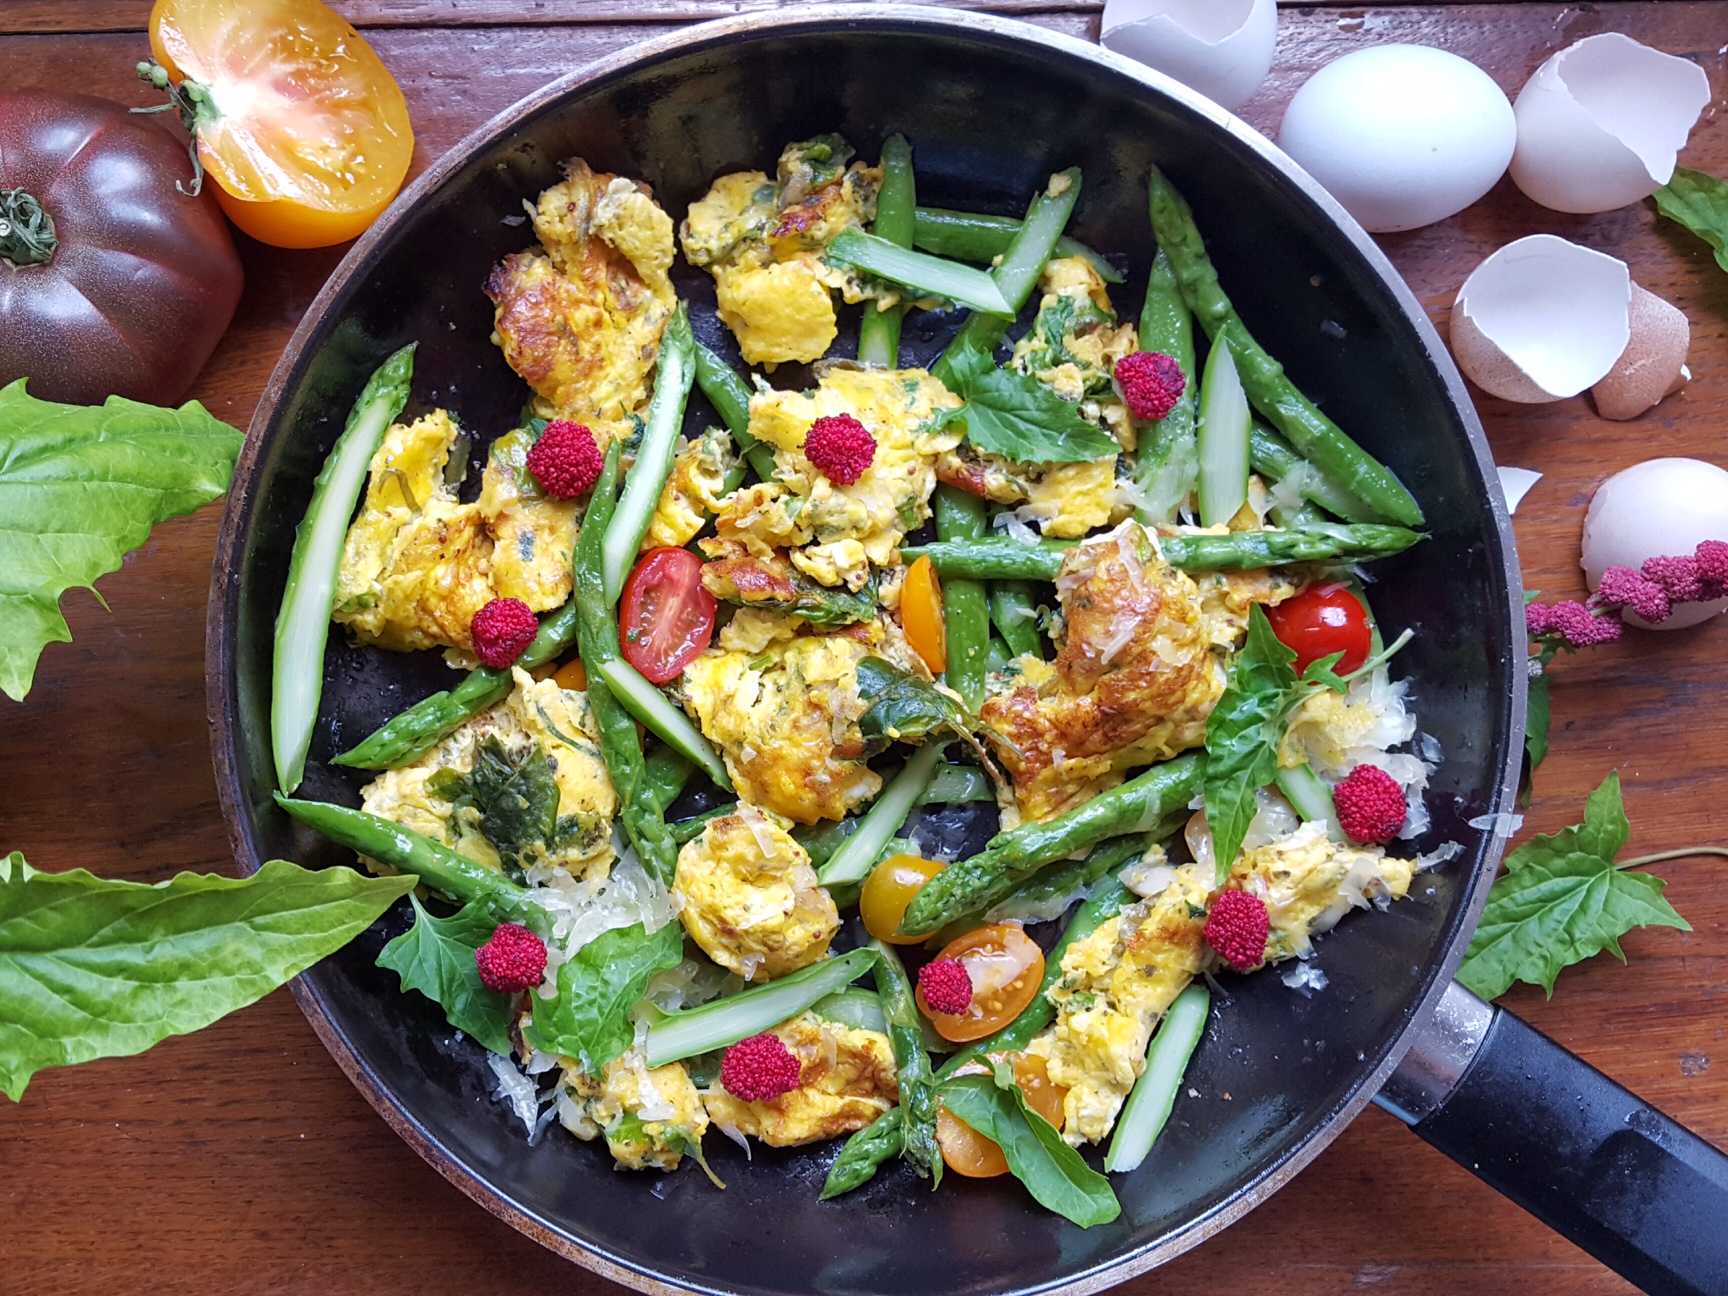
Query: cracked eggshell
[1600, 123]
[1654, 363]
[1515, 484]
[1222, 48]
[1542, 319]
[1656, 508]
[1401, 135]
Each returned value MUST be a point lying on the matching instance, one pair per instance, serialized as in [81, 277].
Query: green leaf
[514, 797]
[589, 1019]
[436, 957]
[1018, 417]
[1242, 736]
[80, 486]
[1562, 900]
[903, 707]
[95, 968]
[1324, 674]
[1538, 720]
[1054, 1173]
[1700, 203]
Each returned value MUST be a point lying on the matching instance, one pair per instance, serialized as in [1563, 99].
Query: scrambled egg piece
[785, 717]
[1069, 500]
[750, 898]
[580, 317]
[836, 532]
[417, 564]
[1133, 683]
[649, 1118]
[847, 1081]
[694, 489]
[538, 722]
[763, 240]
[1117, 982]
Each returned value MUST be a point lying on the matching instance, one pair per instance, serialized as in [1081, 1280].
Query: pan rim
[222, 685]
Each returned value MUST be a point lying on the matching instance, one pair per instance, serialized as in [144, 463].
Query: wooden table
[240, 1160]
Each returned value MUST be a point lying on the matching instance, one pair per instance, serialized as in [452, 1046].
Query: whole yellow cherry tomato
[888, 891]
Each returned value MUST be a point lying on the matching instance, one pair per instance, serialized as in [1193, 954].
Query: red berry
[502, 630]
[946, 986]
[840, 447]
[1151, 383]
[565, 460]
[1237, 928]
[1370, 805]
[514, 959]
[759, 1068]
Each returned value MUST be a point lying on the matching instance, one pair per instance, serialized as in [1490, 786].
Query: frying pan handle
[1594, 1162]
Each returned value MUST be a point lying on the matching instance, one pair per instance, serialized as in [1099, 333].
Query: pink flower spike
[1538, 619]
[1580, 628]
[1712, 560]
[1621, 587]
[1678, 577]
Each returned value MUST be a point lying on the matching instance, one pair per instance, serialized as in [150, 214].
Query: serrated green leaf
[589, 1019]
[1242, 736]
[81, 486]
[1700, 203]
[91, 967]
[1561, 901]
[436, 957]
[1014, 415]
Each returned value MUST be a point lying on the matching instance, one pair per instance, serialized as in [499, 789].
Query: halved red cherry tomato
[1005, 965]
[1322, 620]
[666, 618]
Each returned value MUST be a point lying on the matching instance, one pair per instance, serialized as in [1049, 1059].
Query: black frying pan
[992, 107]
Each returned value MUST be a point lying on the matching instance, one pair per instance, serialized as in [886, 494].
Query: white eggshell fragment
[1542, 319]
[1515, 484]
[1654, 363]
[1401, 135]
[1222, 48]
[1600, 123]
[1656, 508]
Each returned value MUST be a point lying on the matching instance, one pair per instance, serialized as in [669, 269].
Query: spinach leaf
[1014, 415]
[1054, 1173]
[589, 1019]
[436, 957]
[1563, 900]
[1700, 203]
[80, 485]
[92, 968]
[903, 707]
[1243, 734]
[515, 797]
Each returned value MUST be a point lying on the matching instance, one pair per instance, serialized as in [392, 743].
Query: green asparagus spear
[896, 200]
[1167, 463]
[1013, 610]
[1154, 1094]
[727, 393]
[1272, 457]
[917, 1089]
[918, 272]
[1014, 856]
[960, 516]
[865, 1151]
[1223, 439]
[1272, 393]
[968, 236]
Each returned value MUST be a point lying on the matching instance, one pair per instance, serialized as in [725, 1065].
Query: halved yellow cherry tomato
[888, 891]
[304, 130]
[1043, 1095]
[1005, 965]
[572, 675]
[967, 1152]
[921, 615]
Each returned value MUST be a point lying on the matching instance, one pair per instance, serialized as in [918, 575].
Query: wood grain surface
[240, 1160]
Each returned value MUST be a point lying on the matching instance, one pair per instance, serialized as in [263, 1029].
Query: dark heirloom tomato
[1322, 620]
[112, 282]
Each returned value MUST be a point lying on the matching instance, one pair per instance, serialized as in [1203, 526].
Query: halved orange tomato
[921, 614]
[300, 124]
[1006, 967]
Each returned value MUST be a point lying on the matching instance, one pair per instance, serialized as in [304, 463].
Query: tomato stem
[26, 229]
[196, 108]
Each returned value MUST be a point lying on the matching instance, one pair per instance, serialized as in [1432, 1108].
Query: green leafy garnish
[436, 957]
[514, 797]
[903, 707]
[91, 967]
[80, 486]
[589, 1019]
[1700, 203]
[1243, 734]
[1054, 1173]
[1014, 415]
[1564, 899]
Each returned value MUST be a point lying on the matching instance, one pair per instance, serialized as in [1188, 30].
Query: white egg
[1601, 122]
[1401, 135]
[1656, 508]
[1222, 48]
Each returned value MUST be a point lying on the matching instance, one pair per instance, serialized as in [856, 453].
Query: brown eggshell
[1652, 365]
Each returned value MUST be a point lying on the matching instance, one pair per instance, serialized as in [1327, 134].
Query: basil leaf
[1242, 736]
[80, 485]
[1014, 415]
[1324, 673]
[436, 957]
[91, 967]
[901, 706]
[1700, 203]
[1562, 900]
[589, 1019]
[515, 798]
[1054, 1173]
